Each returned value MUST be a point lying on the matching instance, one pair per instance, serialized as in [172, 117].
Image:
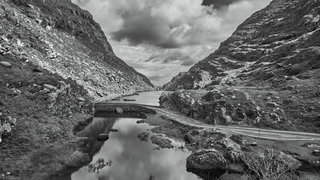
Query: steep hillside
[62, 38]
[268, 70]
[54, 62]
[282, 38]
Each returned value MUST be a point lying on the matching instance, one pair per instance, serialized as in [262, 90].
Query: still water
[133, 159]
[147, 98]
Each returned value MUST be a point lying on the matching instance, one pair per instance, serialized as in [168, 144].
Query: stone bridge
[129, 110]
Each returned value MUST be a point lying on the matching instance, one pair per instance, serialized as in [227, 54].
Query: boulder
[316, 152]
[144, 136]
[141, 121]
[161, 141]
[5, 64]
[206, 159]
[78, 159]
[103, 137]
[113, 130]
[81, 99]
[49, 86]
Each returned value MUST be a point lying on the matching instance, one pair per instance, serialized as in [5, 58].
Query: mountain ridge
[64, 39]
[266, 74]
[255, 40]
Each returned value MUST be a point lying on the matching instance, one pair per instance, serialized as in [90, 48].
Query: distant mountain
[64, 39]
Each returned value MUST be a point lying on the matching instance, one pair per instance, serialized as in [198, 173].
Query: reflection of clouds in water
[98, 126]
[170, 162]
[136, 160]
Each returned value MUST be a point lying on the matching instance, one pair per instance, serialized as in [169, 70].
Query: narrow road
[252, 132]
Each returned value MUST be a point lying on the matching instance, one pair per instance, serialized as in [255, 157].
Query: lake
[134, 159]
[131, 158]
[148, 98]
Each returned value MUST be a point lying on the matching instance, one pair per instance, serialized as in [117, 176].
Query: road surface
[252, 132]
[247, 131]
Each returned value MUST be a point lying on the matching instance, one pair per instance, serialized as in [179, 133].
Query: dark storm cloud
[218, 4]
[142, 28]
[166, 24]
[154, 30]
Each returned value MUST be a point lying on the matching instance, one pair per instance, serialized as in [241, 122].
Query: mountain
[268, 71]
[60, 37]
[55, 62]
[285, 34]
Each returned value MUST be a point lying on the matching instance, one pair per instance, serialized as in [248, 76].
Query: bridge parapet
[111, 107]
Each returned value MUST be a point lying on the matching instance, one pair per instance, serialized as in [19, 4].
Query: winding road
[252, 132]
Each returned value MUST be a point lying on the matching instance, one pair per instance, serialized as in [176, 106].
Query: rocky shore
[215, 153]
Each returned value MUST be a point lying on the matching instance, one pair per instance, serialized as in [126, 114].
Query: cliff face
[279, 40]
[267, 74]
[62, 38]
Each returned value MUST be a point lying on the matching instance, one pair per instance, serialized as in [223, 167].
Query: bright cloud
[160, 38]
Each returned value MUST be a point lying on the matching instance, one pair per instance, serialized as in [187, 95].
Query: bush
[270, 166]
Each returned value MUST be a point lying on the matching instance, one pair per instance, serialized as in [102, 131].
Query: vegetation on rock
[267, 74]
[54, 61]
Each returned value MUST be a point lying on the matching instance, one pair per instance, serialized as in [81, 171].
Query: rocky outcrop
[65, 40]
[206, 159]
[170, 85]
[144, 136]
[162, 142]
[216, 154]
[219, 106]
[266, 74]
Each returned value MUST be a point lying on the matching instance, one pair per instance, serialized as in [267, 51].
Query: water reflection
[98, 126]
[147, 98]
[133, 159]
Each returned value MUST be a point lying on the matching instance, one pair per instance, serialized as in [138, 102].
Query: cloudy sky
[161, 38]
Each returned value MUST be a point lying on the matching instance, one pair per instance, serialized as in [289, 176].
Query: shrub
[270, 166]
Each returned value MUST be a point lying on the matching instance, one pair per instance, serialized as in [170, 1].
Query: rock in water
[141, 121]
[103, 137]
[144, 136]
[113, 130]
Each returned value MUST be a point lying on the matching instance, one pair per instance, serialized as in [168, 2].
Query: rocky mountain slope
[54, 62]
[62, 38]
[267, 73]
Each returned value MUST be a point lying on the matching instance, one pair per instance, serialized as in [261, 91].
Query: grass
[41, 141]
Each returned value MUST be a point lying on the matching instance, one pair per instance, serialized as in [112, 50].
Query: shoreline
[162, 125]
